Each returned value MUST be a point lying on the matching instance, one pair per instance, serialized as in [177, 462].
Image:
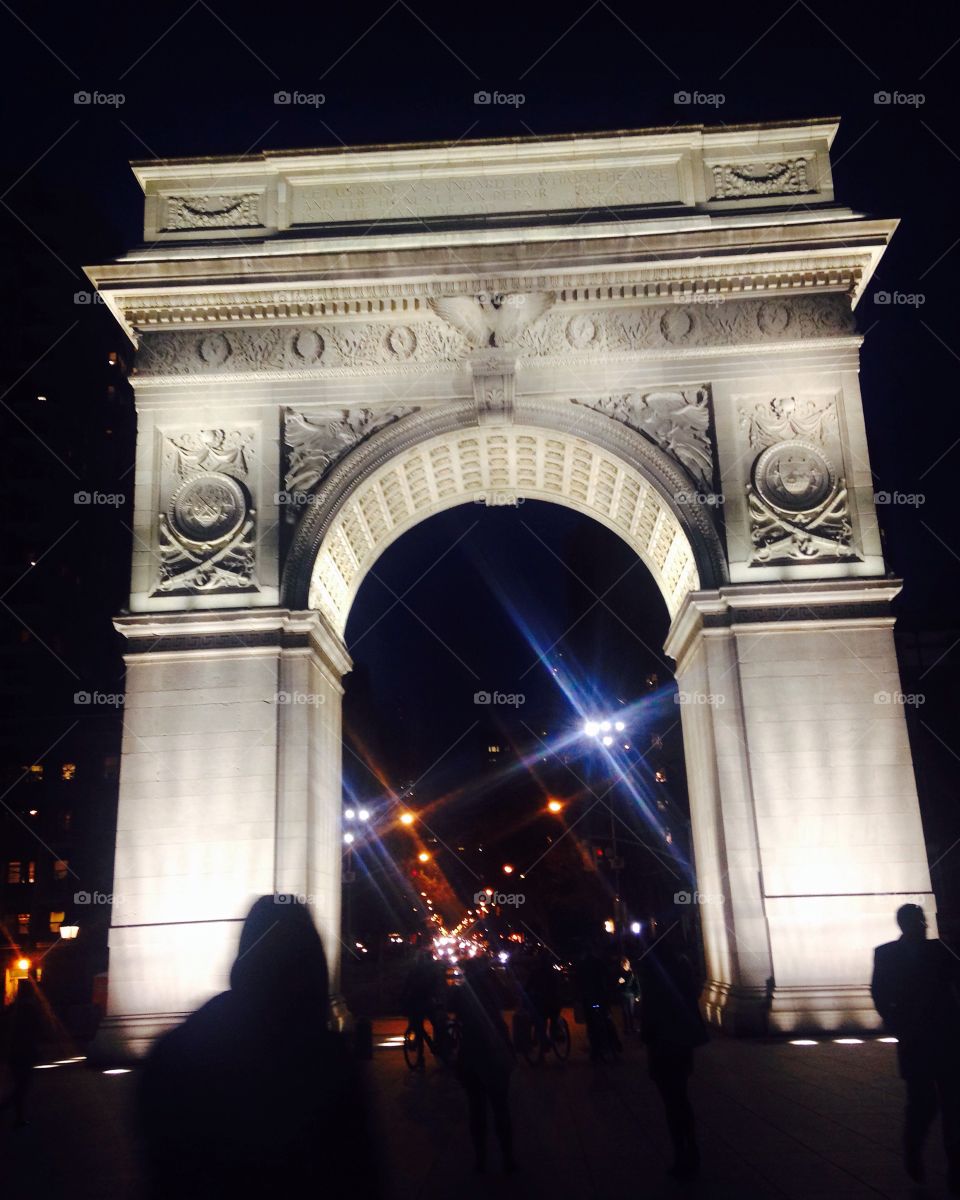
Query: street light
[554, 806]
[423, 856]
[364, 814]
[507, 869]
[406, 818]
[602, 730]
[348, 838]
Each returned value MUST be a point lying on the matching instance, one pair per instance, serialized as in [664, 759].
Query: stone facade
[657, 331]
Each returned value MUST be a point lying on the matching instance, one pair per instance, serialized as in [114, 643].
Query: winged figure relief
[492, 319]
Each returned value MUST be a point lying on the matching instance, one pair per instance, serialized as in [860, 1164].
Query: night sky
[199, 79]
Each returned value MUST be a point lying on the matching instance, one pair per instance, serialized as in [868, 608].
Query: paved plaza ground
[809, 1123]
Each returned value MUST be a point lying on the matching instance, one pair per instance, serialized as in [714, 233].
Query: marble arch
[655, 327]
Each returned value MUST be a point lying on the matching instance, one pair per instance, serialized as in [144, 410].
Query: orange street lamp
[555, 806]
[507, 869]
[406, 818]
[23, 964]
[423, 856]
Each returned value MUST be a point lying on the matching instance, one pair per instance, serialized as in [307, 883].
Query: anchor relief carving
[796, 499]
[206, 526]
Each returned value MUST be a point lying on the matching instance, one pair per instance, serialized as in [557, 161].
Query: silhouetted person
[485, 1061]
[594, 984]
[671, 1027]
[628, 989]
[253, 1095]
[423, 998]
[914, 982]
[542, 995]
[22, 1048]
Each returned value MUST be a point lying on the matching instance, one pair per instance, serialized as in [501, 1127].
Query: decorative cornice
[426, 341]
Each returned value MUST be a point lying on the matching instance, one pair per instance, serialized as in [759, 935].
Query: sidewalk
[804, 1122]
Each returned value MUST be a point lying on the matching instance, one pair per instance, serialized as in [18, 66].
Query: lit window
[493, 749]
[660, 776]
[31, 872]
[56, 920]
[68, 771]
[13, 872]
[35, 772]
[23, 920]
[60, 868]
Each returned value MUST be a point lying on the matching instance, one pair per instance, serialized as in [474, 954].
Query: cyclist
[423, 999]
[543, 997]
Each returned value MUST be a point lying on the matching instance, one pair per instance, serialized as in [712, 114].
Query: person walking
[914, 989]
[671, 1028]
[485, 1061]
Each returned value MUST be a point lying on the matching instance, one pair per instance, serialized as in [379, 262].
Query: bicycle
[445, 1048]
[535, 1038]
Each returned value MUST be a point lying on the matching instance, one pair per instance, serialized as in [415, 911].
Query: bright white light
[892, 1041]
[803, 1042]
[619, 726]
[45, 1066]
[349, 813]
[364, 814]
[117, 1071]
[591, 728]
[635, 927]
[348, 838]
[503, 956]
[63, 1061]
[605, 726]
[849, 1041]
[608, 741]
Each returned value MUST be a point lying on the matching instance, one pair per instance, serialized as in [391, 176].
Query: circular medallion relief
[308, 345]
[676, 324]
[208, 508]
[214, 349]
[402, 341]
[796, 476]
[773, 318]
[581, 331]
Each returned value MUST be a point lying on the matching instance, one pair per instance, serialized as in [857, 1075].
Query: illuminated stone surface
[343, 343]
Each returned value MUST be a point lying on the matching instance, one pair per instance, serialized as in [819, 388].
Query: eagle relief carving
[492, 319]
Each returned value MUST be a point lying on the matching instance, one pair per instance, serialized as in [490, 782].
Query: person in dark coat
[915, 992]
[253, 1095]
[485, 1061]
[22, 1038]
[628, 989]
[671, 1028]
